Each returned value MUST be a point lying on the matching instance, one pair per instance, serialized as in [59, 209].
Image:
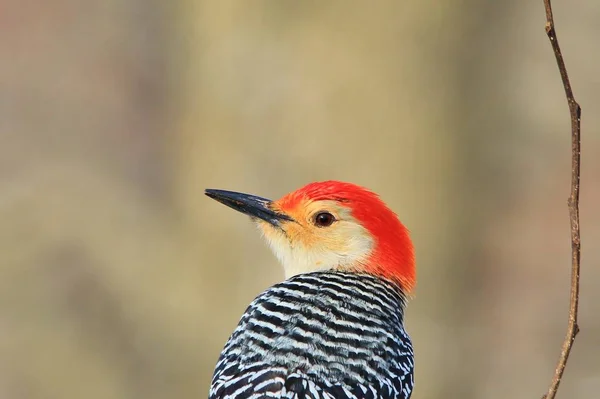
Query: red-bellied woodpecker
[334, 328]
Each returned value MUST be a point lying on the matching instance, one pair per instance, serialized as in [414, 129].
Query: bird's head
[331, 225]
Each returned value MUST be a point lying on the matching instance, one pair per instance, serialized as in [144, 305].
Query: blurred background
[120, 279]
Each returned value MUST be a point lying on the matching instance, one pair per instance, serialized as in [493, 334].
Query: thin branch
[573, 202]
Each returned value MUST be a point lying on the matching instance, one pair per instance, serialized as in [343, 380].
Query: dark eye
[324, 219]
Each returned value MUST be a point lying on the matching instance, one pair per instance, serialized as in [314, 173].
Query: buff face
[303, 245]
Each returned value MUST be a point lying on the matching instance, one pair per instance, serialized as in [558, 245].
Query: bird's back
[319, 335]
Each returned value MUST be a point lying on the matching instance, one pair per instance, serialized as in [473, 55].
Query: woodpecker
[335, 327]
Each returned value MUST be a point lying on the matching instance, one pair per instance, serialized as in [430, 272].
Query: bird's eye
[324, 219]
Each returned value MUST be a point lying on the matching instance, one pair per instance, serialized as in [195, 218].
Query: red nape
[393, 256]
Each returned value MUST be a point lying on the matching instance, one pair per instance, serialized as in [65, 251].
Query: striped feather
[319, 335]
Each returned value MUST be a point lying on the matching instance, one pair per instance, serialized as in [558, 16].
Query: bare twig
[575, 111]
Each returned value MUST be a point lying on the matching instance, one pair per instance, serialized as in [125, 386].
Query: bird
[334, 327]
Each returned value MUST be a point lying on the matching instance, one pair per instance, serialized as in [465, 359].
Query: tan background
[119, 279]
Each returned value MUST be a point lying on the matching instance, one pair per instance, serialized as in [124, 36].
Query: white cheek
[361, 246]
[297, 259]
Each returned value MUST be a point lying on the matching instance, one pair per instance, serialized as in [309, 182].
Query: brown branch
[573, 202]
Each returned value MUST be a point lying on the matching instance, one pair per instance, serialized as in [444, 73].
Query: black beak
[251, 205]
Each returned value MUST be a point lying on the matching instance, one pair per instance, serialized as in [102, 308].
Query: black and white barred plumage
[319, 335]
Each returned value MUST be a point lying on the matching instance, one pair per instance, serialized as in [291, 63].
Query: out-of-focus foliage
[119, 279]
